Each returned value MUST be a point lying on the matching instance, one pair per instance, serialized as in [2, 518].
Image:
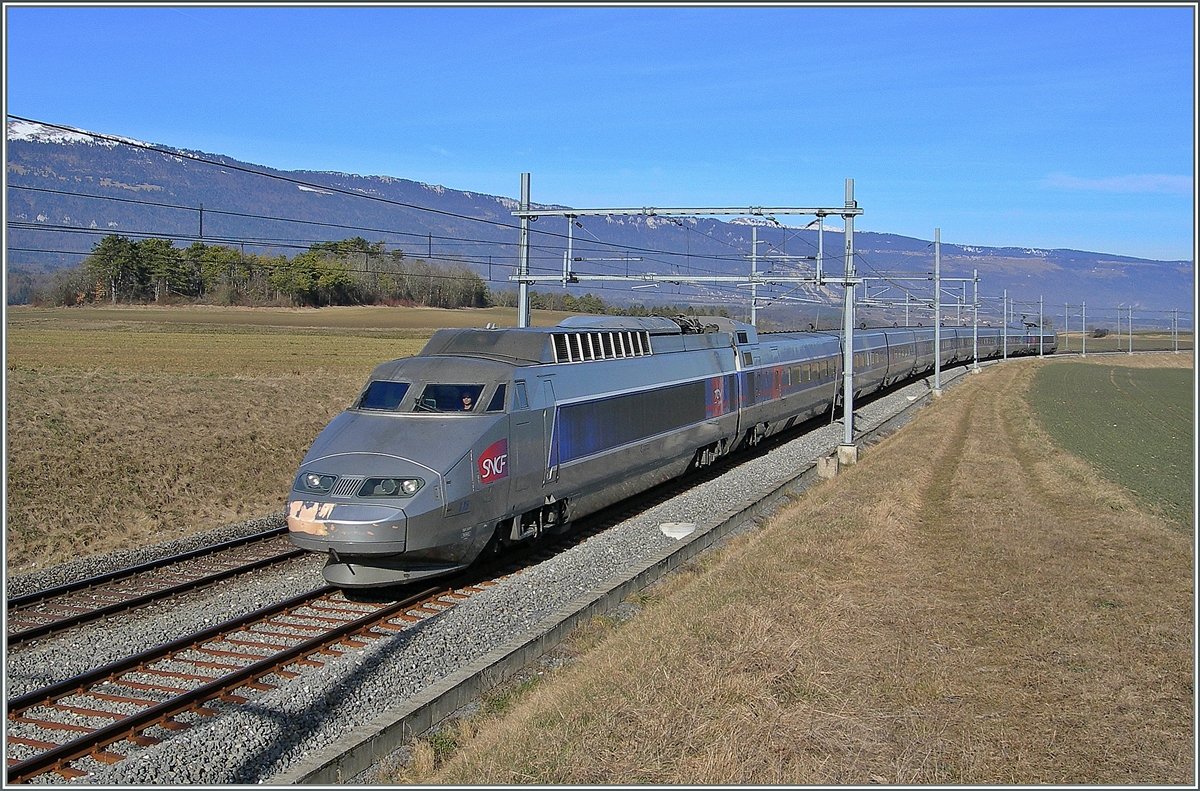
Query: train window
[747, 358]
[743, 337]
[497, 402]
[448, 398]
[520, 399]
[592, 427]
[383, 395]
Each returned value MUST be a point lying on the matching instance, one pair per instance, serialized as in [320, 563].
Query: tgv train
[493, 436]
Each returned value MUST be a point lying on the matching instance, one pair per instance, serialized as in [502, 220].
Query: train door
[548, 417]
[527, 445]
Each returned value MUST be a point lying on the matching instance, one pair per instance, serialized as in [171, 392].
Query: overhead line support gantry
[847, 212]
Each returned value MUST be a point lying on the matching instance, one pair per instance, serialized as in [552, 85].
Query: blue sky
[1025, 126]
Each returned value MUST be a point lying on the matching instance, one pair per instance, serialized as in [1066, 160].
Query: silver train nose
[376, 571]
[345, 527]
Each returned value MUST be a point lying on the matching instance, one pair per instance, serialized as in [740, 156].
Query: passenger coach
[493, 436]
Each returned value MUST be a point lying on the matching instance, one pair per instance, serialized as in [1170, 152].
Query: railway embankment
[968, 604]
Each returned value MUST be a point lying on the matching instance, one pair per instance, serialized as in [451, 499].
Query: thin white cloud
[1151, 182]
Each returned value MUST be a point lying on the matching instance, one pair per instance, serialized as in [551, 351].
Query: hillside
[160, 192]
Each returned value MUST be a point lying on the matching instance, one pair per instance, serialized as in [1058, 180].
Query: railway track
[55, 609]
[138, 701]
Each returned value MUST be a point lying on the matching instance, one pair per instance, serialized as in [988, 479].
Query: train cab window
[743, 337]
[382, 394]
[497, 402]
[520, 399]
[747, 358]
[448, 398]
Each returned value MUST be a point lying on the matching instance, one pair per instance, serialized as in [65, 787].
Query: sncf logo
[493, 462]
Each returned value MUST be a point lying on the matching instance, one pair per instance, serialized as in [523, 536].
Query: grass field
[227, 341]
[1143, 340]
[356, 319]
[128, 426]
[967, 605]
[1134, 424]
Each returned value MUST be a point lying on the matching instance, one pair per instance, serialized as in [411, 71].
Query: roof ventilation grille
[580, 347]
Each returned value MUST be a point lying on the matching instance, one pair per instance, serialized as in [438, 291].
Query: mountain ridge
[288, 210]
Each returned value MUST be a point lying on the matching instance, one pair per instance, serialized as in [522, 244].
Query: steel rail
[41, 630]
[83, 680]
[100, 579]
[131, 725]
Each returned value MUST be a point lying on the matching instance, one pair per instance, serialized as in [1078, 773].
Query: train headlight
[390, 487]
[315, 482]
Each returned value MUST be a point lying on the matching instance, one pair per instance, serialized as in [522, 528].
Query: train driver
[468, 403]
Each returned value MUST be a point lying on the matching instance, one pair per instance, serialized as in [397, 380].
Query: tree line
[352, 271]
[347, 272]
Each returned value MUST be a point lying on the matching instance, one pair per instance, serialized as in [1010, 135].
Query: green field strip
[1135, 425]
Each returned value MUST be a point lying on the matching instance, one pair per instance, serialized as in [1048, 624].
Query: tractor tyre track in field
[1129, 394]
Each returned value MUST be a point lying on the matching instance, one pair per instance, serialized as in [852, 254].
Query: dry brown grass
[202, 353]
[1185, 359]
[944, 612]
[248, 341]
[370, 317]
[1143, 340]
[101, 460]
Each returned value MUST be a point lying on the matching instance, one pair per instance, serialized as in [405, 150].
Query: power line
[250, 215]
[350, 193]
[444, 239]
[257, 242]
[186, 155]
[299, 182]
[268, 264]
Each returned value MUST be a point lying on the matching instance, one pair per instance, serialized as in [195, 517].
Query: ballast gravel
[256, 741]
[75, 570]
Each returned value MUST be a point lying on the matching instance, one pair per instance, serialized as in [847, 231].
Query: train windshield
[448, 398]
[383, 395]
